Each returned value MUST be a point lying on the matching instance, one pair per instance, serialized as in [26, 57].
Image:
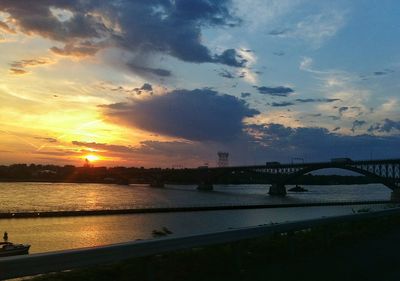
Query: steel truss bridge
[385, 171]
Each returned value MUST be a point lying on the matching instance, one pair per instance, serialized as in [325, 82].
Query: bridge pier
[157, 183]
[277, 189]
[395, 195]
[205, 186]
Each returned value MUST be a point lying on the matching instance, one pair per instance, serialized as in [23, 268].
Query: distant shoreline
[49, 214]
[2, 180]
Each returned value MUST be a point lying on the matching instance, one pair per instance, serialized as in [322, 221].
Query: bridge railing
[28, 265]
[308, 164]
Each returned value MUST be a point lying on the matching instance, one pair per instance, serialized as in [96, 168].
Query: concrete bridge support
[205, 186]
[395, 195]
[157, 183]
[277, 189]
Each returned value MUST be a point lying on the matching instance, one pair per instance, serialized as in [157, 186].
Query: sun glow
[92, 157]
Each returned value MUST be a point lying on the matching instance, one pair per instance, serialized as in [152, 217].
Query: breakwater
[73, 213]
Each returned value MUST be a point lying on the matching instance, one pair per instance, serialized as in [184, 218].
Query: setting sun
[92, 157]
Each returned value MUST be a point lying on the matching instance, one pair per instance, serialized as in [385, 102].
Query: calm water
[48, 234]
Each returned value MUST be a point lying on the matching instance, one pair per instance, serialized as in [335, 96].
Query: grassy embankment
[324, 253]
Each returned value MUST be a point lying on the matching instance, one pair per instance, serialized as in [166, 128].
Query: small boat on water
[298, 189]
[11, 249]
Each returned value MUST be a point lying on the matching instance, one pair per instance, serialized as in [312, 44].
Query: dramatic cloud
[277, 142]
[201, 115]
[18, 67]
[231, 57]
[82, 49]
[157, 153]
[4, 27]
[146, 87]
[387, 126]
[357, 124]
[141, 28]
[343, 109]
[145, 71]
[275, 91]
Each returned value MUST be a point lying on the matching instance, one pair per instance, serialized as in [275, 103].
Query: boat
[11, 249]
[298, 189]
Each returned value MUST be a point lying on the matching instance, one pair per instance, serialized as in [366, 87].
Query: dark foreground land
[367, 250]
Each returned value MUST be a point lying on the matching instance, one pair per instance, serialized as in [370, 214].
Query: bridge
[386, 172]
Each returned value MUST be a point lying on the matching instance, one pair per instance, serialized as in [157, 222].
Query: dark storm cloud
[185, 150]
[200, 114]
[245, 95]
[387, 126]
[357, 124]
[145, 71]
[146, 87]
[278, 142]
[266, 142]
[139, 27]
[231, 57]
[275, 91]
[342, 109]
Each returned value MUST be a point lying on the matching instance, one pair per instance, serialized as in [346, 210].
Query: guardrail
[19, 266]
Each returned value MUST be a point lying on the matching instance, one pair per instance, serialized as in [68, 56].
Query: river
[58, 233]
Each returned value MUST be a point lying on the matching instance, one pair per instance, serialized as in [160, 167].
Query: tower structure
[223, 159]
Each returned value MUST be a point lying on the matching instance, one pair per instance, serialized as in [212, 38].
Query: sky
[169, 83]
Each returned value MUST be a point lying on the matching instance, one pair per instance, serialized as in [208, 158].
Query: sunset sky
[168, 83]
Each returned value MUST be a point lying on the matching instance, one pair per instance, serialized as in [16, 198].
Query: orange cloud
[18, 71]
[4, 27]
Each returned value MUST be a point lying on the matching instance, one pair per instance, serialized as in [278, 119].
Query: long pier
[49, 214]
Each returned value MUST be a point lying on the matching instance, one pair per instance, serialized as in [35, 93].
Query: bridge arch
[366, 173]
